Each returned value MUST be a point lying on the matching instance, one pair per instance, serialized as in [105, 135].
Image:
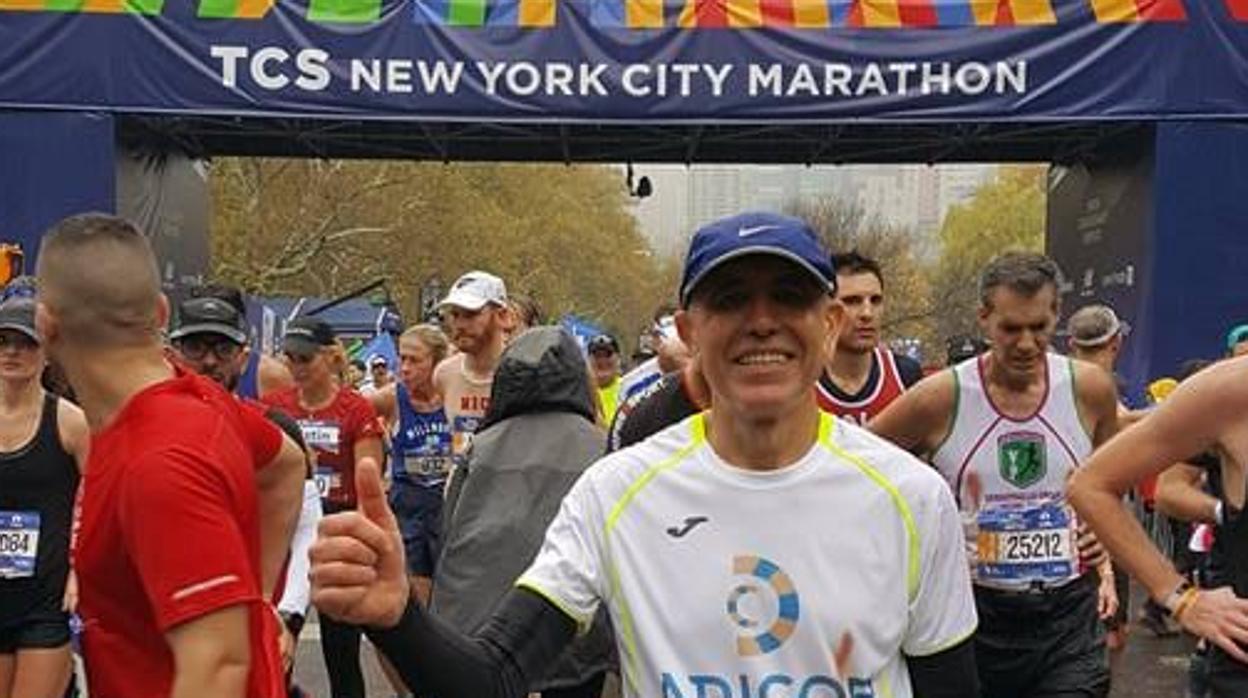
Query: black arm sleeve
[525, 634]
[947, 674]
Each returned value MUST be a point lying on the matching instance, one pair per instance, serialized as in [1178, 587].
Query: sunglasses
[17, 340]
[299, 358]
[196, 348]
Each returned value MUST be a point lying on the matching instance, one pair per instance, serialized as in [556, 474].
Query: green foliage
[932, 302]
[1005, 214]
[563, 235]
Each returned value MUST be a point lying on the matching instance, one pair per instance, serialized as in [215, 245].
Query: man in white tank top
[1006, 430]
[476, 317]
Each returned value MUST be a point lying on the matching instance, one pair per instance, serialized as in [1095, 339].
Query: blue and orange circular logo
[750, 605]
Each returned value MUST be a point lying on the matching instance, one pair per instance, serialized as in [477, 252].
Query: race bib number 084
[1025, 545]
[19, 543]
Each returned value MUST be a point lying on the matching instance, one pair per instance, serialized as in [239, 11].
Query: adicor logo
[764, 614]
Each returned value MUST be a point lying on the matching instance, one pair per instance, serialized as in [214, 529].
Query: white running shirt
[1022, 532]
[734, 583]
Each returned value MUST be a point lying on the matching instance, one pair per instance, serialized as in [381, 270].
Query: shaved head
[99, 284]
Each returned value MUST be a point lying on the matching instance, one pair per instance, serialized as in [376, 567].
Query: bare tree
[844, 225]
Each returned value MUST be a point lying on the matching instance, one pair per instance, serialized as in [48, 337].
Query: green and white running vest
[1020, 533]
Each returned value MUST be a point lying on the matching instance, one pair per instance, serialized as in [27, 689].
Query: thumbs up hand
[358, 572]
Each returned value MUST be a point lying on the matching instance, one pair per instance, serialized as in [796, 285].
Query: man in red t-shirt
[172, 551]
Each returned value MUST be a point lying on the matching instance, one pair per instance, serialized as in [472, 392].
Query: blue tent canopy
[580, 328]
[356, 318]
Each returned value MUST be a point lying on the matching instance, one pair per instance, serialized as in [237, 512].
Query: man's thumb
[371, 496]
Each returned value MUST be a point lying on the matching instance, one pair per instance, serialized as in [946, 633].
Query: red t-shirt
[331, 433]
[170, 532]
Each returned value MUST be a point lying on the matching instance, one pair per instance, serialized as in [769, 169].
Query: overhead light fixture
[642, 188]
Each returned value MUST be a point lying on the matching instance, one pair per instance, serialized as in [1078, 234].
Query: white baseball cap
[474, 290]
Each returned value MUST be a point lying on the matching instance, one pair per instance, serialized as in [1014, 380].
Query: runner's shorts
[44, 628]
[1045, 644]
[419, 511]
[1228, 678]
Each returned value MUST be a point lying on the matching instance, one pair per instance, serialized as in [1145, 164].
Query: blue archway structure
[1140, 104]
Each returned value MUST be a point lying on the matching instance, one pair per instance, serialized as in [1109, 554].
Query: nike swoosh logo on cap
[746, 232]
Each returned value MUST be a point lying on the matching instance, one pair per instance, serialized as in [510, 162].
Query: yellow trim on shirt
[582, 622]
[627, 634]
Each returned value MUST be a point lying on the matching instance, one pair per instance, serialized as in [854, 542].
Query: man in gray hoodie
[537, 437]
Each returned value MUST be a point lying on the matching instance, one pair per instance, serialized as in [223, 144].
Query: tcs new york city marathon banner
[625, 60]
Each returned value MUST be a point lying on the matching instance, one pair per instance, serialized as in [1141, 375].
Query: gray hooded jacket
[537, 438]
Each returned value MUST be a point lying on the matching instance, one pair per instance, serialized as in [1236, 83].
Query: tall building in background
[664, 216]
[912, 197]
[889, 193]
[715, 191]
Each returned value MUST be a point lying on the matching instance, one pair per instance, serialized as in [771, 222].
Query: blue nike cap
[754, 233]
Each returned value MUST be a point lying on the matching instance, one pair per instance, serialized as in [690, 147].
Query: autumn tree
[844, 225]
[1008, 213]
[563, 234]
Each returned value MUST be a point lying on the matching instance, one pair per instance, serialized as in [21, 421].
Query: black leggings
[340, 646]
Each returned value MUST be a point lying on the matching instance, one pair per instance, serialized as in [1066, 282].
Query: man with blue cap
[759, 548]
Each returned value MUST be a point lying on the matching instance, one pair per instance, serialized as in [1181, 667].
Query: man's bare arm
[386, 403]
[1098, 399]
[211, 654]
[1199, 414]
[921, 418]
[440, 373]
[279, 490]
[75, 438]
[1180, 496]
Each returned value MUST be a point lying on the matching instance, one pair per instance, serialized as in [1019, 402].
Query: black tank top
[41, 479]
[1234, 535]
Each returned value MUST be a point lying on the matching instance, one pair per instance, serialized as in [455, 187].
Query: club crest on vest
[1021, 458]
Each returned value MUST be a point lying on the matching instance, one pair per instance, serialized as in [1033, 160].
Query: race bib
[323, 436]
[327, 480]
[1024, 545]
[19, 543]
[427, 467]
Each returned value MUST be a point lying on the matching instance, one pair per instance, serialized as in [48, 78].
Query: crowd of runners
[771, 504]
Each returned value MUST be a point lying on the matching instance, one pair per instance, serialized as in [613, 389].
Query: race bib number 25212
[1025, 545]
